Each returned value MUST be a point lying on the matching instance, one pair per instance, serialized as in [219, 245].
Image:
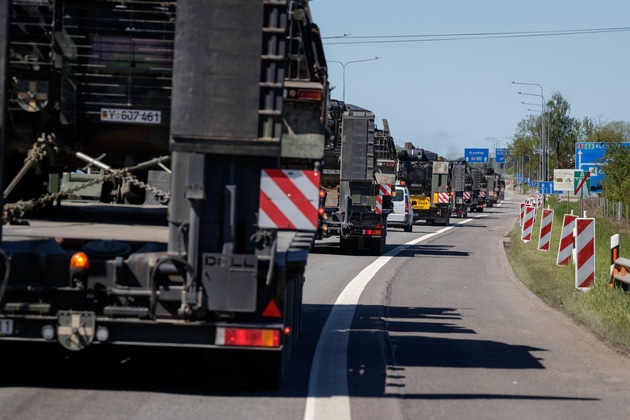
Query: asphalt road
[437, 328]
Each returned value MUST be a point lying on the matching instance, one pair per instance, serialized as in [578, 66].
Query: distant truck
[493, 187]
[479, 185]
[427, 177]
[357, 178]
[461, 187]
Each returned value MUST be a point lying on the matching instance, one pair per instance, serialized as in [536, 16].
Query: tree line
[562, 132]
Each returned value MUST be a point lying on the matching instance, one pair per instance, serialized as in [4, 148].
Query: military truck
[231, 98]
[357, 166]
[426, 175]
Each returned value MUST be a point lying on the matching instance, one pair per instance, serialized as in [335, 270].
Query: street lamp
[544, 169]
[344, 64]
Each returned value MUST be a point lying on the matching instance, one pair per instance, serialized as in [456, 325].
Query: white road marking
[327, 396]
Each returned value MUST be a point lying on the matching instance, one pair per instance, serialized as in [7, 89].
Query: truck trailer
[226, 103]
[357, 166]
[426, 175]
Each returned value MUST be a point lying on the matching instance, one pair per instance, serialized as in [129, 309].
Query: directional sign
[581, 182]
[589, 157]
[546, 188]
[476, 155]
[501, 154]
[563, 179]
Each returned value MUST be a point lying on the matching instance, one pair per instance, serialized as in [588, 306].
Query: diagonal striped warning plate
[288, 199]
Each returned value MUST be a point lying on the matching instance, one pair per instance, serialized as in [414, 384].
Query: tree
[563, 131]
[616, 167]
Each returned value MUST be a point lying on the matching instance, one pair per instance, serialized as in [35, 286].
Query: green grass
[604, 310]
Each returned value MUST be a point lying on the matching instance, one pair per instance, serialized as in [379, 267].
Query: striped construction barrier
[546, 224]
[522, 213]
[528, 224]
[565, 248]
[620, 267]
[585, 253]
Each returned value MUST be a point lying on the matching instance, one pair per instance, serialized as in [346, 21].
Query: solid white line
[327, 396]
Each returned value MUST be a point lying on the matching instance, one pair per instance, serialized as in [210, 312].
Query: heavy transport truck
[357, 166]
[461, 187]
[479, 186]
[226, 102]
[493, 187]
[426, 175]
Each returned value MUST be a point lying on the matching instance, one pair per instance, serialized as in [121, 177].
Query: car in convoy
[402, 213]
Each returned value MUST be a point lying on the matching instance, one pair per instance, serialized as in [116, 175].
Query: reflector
[272, 311]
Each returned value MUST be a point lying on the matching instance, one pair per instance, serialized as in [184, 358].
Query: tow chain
[14, 211]
[34, 155]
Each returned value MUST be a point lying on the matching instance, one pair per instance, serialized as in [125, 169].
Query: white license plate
[133, 116]
[6, 327]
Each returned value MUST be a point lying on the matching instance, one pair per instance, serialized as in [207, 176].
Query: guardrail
[620, 273]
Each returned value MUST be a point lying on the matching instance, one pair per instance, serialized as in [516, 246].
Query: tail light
[247, 337]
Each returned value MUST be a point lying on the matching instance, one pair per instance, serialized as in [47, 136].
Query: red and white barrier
[528, 224]
[565, 249]
[522, 213]
[585, 253]
[546, 224]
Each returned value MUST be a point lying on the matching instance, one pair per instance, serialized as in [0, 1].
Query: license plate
[6, 327]
[132, 116]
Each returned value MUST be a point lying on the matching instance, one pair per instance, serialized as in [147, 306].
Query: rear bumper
[114, 332]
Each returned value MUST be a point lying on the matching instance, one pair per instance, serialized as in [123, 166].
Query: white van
[402, 213]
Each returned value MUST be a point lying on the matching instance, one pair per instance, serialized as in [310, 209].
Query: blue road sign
[589, 156]
[476, 155]
[546, 188]
[502, 153]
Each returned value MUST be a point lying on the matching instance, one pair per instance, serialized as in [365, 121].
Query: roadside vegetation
[604, 310]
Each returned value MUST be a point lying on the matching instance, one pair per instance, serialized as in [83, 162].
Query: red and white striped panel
[546, 224]
[467, 195]
[565, 248]
[585, 255]
[385, 189]
[443, 198]
[528, 224]
[379, 204]
[522, 213]
[288, 199]
[482, 194]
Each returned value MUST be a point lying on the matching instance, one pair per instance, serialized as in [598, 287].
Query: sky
[446, 96]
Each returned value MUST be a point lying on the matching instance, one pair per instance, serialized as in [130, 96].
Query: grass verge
[603, 310]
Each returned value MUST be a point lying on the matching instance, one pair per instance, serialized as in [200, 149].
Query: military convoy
[164, 191]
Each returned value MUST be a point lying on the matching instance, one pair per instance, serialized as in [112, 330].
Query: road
[437, 328]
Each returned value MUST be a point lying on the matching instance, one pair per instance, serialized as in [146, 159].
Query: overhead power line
[387, 39]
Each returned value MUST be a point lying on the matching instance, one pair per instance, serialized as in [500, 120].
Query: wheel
[409, 227]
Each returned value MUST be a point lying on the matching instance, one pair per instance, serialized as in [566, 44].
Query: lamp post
[544, 169]
[343, 66]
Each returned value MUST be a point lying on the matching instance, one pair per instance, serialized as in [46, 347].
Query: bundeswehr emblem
[75, 330]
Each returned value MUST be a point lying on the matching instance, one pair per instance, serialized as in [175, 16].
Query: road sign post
[581, 181]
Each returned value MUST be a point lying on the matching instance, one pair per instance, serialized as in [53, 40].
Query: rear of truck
[223, 268]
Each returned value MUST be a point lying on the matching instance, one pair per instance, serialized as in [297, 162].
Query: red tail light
[247, 337]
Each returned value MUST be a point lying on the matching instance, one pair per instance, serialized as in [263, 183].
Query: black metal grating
[116, 54]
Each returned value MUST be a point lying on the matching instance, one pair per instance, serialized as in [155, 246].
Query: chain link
[14, 211]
